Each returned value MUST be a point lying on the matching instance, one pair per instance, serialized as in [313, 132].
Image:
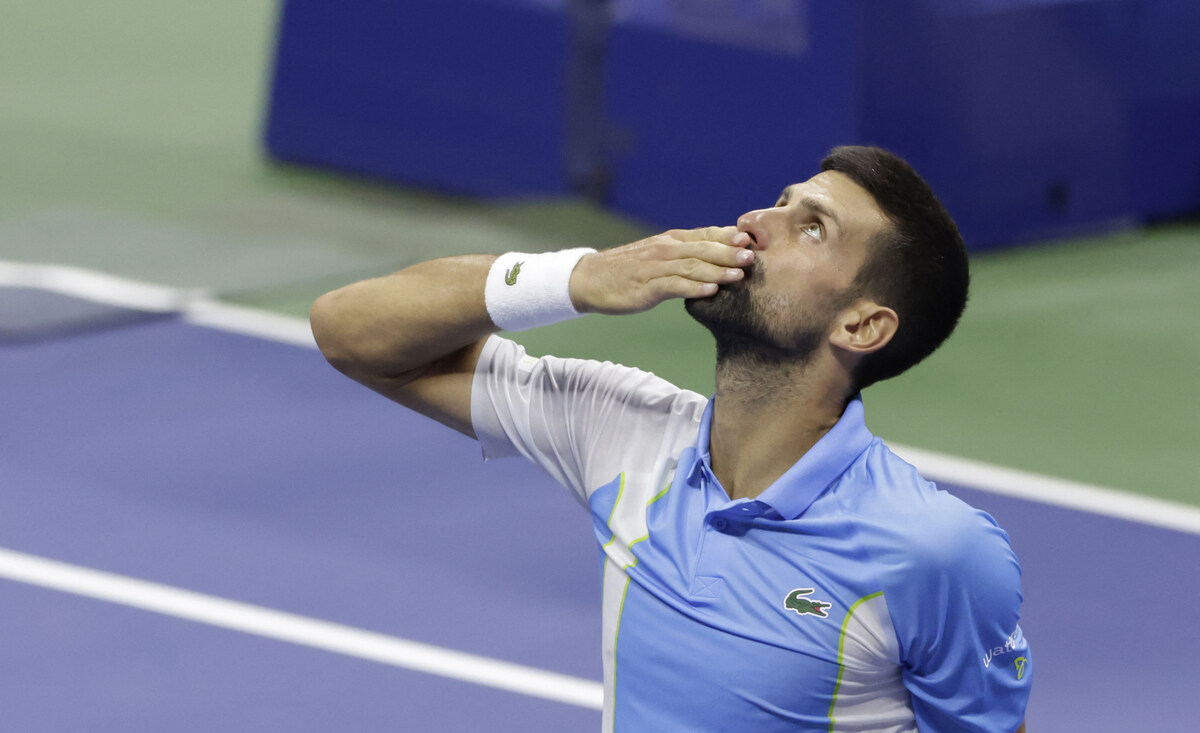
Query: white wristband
[528, 290]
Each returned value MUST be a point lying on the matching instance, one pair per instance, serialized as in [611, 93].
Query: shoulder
[947, 569]
[920, 532]
[608, 417]
[583, 421]
[503, 361]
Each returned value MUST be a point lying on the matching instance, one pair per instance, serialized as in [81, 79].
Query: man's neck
[766, 417]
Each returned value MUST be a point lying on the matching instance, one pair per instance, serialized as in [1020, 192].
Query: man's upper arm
[956, 609]
[441, 390]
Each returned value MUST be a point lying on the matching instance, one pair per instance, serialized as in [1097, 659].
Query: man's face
[808, 248]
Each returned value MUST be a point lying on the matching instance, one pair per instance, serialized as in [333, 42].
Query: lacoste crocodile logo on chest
[797, 601]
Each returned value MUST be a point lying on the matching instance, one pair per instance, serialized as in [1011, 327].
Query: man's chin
[728, 308]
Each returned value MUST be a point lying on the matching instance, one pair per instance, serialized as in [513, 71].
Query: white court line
[1055, 491]
[250, 322]
[300, 630]
[97, 286]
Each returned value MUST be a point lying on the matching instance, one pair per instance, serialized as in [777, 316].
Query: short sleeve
[955, 605]
[581, 421]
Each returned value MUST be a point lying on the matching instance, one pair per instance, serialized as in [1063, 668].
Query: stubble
[746, 323]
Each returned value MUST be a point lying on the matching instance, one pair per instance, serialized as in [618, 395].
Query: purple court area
[250, 470]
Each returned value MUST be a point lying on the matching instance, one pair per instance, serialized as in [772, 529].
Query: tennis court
[207, 528]
[204, 527]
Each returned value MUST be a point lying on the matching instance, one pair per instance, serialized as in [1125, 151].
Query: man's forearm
[393, 326]
[416, 336]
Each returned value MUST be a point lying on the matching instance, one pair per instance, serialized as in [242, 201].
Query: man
[769, 564]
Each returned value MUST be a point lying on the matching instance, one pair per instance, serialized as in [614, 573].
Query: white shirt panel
[581, 421]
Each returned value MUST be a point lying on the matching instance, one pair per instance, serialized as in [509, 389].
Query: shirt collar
[794, 491]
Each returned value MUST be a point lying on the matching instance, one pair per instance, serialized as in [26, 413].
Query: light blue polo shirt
[851, 595]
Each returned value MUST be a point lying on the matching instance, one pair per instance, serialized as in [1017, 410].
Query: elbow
[349, 339]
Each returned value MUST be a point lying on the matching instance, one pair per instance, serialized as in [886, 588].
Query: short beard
[740, 326]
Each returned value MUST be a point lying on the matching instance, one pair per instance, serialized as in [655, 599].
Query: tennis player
[769, 565]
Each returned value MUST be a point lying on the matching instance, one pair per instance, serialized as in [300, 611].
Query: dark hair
[917, 266]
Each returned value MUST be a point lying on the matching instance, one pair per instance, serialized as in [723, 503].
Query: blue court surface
[203, 529]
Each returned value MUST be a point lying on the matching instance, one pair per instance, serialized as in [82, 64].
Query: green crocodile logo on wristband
[510, 275]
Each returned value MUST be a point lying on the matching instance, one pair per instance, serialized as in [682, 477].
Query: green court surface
[130, 137]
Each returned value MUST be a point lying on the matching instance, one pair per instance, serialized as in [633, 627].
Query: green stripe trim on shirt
[842, 652]
[646, 536]
[617, 501]
[613, 513]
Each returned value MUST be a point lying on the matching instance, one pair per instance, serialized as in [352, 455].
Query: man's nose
[755, 223]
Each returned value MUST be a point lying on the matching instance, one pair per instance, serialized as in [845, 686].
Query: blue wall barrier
[1164, 155]
[1014, 111]
[1031, 118]
[461, 95]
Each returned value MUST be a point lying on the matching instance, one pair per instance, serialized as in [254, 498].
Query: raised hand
[680, 263]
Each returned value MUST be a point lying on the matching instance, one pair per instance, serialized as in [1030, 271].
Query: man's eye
[813, 230]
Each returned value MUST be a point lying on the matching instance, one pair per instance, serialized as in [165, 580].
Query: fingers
[691, 263]
[681, 263]
[726, 250]
[699, 270]
[711, 234]
[677, 286]
[725, 235]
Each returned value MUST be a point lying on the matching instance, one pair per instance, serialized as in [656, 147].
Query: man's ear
[864, 327]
